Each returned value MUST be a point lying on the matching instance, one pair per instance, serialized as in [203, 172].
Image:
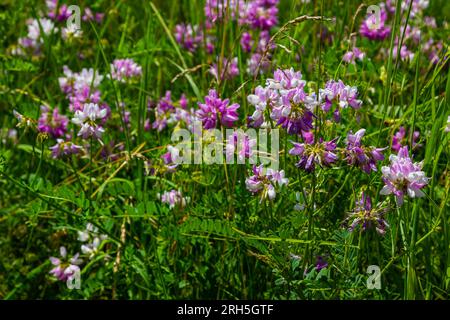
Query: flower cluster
[374, 28]
[88, 121]
[399, 139]
[52, 122]
[241, 144]
[125, 69]
[339, 95]
[188, 36]
[228, 69]
[174, 198]
[91, 239]
[256, 17]
[264, 182]
[168, 112]
[32, 43]
[358, 155]
[65, 268]
[64, 148]
[320, 153]
[353, 55]
[403, 177]
[367, 217]
[215, 110]
[288, 104]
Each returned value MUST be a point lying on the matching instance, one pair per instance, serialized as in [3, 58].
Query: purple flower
[403, 177]
[262, 14]
[188, 36]
[87, 120]
[90, 16]
[400, 137]
[64, 148]
[228, 69]
[373, 29]
[351, 56]
[259, 100]
[258, 63]
[174, 198]
[215, 109]
[62, 15]
[167, 112]
[65, 268]
[310, 154]
[338, 94]
[405, 54]
[264, 182]
[239, 143]
[358, 155]
[246, 42]
[216, 10]
[52, 122]
[365, 216]
[321, 263]
[125, 69]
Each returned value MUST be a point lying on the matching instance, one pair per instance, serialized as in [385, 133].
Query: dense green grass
[225, 244]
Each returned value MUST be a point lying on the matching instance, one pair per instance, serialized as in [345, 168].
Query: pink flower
[215, 109]
[403, 177]
[125, 69]
[174, 198]
[64, 148]
[65, 268]
[321, 153]
[87, 120]
[264, 182]
[52, 122]
[229, 69]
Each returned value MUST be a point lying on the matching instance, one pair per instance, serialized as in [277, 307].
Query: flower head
[216, 110]
[365, 216]
[321, 153]
[400, 138]
[403, 177]
[65, 268]
[64, 148]
[125, 69]
[52, 122]
[265, 181]
[174, 198]
[87, 120]
[358, 155]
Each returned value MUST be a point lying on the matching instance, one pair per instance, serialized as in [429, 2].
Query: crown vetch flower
[262, 14]
[399, 138]
[229, 69]
[125, 69]
[403, 177]
[87, 120]
[336, 92]
[64, 148]
[365, 216]
[352, 55]
[358, 155]
[373, 29]
[65, 268]
[264, 182]
[188, 36]
[174, 198]
[313, 153]
[52, 122]
[215, 109]
[239, 143]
